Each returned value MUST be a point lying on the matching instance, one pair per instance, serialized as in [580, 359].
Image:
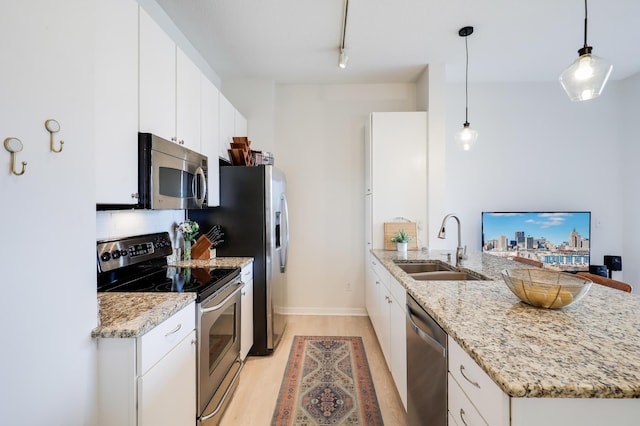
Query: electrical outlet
[347, 287]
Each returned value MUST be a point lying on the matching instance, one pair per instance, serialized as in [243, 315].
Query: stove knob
[115, 254]
[123, 253]
[105, 257]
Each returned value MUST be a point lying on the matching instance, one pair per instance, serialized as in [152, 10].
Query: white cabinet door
[157, 80]
[246, 320]
[398, 138]
[227, 125]
[116, 136]
[398, 346]
[166, 393]
[368, 180]
[187, 102]
[209, 138]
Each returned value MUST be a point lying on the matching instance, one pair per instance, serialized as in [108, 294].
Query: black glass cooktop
[203, 281]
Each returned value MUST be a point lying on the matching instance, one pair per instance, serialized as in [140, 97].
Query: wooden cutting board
[391, 228]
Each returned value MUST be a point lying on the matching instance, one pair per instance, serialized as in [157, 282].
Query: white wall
[536, 151]
[48, 305]
[124, 223]
[630, 154]
[320, 146]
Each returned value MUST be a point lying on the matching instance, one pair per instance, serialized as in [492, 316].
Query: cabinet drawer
[380, 271]
[159, 341]
[486, 396]
[398, 292]
[246, 274]
[460, 408]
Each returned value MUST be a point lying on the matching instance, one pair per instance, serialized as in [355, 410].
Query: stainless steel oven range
[138, 264]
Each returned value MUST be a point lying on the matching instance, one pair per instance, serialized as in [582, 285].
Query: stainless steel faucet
[460, 251]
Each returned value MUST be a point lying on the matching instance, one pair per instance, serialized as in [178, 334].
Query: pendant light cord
[585, 23]
[466, 83]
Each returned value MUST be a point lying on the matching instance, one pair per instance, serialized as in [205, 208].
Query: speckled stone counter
[124, 315]
[217, 262]
[590, 349]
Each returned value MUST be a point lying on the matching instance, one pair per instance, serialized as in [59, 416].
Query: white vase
[402, 247]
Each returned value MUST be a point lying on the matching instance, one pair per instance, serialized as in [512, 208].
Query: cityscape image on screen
[560, 240]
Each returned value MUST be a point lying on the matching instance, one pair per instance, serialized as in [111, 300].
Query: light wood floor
[254, 400]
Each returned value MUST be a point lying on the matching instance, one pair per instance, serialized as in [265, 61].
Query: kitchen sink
[419, 267]
[445, 276]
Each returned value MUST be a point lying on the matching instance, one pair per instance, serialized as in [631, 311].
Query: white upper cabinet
[157, 80]
[116, 56]
[188, 102]
[210, 133]
[227, 125]
[397, 146]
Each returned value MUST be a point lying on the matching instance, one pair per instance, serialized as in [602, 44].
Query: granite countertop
[590, 349]
[126, 315]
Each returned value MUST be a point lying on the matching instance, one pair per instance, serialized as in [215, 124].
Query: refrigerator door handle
[284, 257]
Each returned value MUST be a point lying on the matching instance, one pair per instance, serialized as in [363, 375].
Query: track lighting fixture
[585, 78]
[342, 61]
[466, 137]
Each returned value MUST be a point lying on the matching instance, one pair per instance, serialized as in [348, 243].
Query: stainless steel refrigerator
[255, 221]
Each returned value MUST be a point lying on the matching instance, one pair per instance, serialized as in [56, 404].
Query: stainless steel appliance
[255, 220]
[138, 264]
[170, 176]
[426, 368]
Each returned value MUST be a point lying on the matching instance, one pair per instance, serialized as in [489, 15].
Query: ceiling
[297, 41]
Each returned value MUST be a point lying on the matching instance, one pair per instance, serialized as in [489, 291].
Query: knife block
[200, 250]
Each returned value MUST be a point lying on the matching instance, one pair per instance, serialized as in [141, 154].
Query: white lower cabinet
[150, 379]
[385, 302]
[158, 401]
[246, 318]
[473, 391]
[474, 397]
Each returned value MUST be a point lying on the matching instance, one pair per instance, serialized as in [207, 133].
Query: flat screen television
[560, 240]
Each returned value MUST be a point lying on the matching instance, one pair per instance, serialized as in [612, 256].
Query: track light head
[342, 63]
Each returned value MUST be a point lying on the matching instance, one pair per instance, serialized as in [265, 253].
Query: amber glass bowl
[544, 288]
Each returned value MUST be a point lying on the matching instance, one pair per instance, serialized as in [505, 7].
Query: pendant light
[585, 78]
[466, 137]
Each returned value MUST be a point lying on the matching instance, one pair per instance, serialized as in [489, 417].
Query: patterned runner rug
[327, 382]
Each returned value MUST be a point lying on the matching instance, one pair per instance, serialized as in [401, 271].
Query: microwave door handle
[199, 175]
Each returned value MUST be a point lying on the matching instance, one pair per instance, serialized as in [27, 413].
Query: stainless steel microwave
[170, 176]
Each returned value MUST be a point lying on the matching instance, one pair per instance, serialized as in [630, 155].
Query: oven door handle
[221, 304]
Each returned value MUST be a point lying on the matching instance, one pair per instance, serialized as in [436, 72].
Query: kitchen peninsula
[576, 365]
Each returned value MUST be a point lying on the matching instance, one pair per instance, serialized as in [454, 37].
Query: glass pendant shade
[466, 137]
[585, 78]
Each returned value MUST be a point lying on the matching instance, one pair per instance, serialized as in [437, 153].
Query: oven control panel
[114, 254]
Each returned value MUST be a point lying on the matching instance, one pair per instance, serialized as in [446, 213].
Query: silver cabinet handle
[468, 379]
[174, 331]
[462, 415]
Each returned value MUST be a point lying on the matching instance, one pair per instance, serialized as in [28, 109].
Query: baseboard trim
[326, 311]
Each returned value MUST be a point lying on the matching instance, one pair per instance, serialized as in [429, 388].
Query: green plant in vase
[402, 239]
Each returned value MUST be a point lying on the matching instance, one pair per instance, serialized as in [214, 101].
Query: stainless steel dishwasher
[426, 368]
